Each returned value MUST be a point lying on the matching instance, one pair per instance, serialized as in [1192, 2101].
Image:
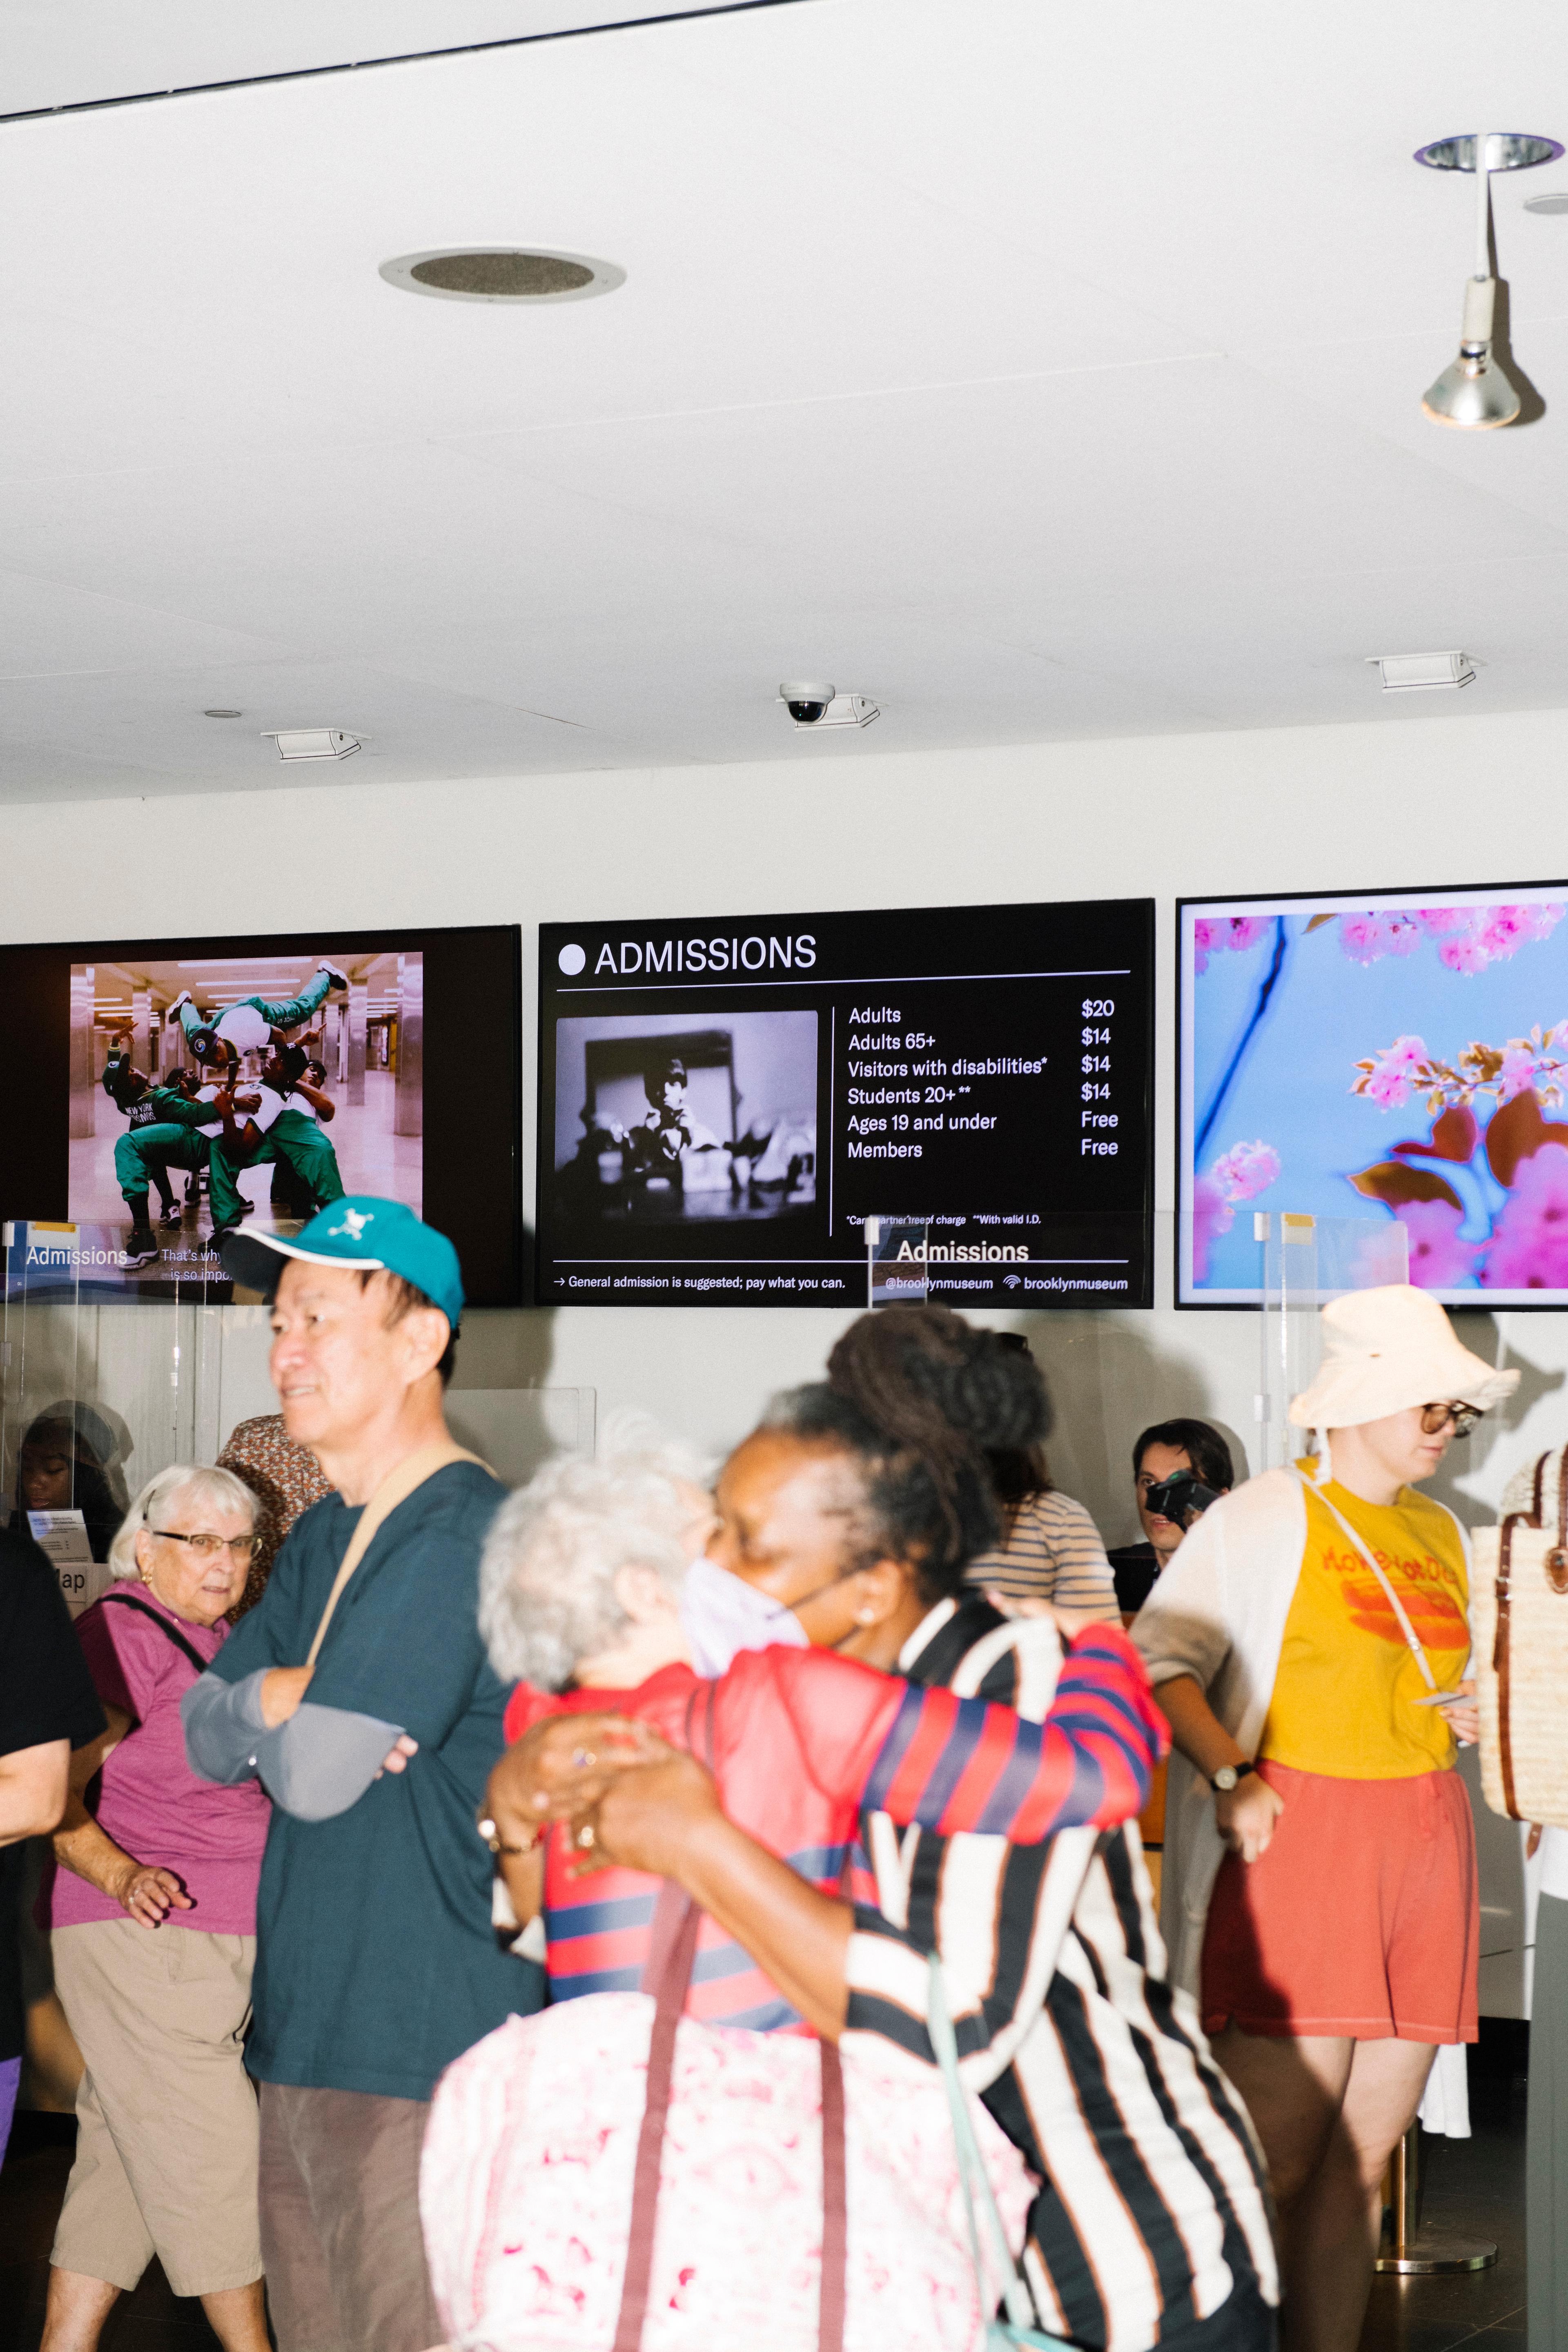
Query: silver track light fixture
[1474, 393]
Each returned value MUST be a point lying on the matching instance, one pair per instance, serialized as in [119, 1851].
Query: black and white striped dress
[1154, 2207]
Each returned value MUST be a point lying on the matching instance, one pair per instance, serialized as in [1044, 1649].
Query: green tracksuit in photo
[292, 1138]
[174, 1141]
[244, 1034]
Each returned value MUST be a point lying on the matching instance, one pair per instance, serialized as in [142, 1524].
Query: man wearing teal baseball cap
[359, 1693]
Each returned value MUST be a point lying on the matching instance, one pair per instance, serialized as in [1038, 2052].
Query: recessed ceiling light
[1557, 203]
[223, 714]
[502, 273]
[312, 742]
[1400, 672]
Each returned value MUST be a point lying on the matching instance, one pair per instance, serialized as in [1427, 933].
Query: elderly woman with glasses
[153, 1918]
[1309, 1644]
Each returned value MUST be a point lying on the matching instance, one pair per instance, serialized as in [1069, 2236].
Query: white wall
[1461, 798]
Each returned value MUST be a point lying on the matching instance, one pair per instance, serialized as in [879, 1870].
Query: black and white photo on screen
[660, 1120]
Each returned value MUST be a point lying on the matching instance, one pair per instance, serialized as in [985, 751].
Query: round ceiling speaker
[502, 273]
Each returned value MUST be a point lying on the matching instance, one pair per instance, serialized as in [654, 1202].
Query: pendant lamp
[1475, 394]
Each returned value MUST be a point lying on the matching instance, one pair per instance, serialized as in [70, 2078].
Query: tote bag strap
[396, 1488]
[1412, 1638]
[1556, 1566]
[1018, 2327]
[1557, 1558]
[672, 1949]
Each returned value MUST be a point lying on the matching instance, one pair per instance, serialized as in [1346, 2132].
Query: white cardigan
[1218, 1613]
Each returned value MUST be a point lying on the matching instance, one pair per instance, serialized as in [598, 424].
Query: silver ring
[586, 1835]
[584, 1757]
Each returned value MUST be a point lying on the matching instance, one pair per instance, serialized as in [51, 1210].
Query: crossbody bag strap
[395, 1488]
[130, 1600]
[1412, 1638]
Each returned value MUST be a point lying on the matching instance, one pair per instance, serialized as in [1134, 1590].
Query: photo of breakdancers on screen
[659, 1121]
[255, 1088]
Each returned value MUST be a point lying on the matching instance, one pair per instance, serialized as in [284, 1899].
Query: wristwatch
[1225, 1779]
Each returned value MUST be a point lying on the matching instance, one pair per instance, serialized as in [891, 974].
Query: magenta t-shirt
[150, 1801]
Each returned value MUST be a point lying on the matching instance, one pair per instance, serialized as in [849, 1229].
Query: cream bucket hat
[1386, 1349]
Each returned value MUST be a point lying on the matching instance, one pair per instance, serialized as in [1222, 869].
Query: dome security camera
[804, 700]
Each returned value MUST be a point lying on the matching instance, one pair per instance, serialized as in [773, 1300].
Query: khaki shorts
[167, 2124]
[340, 2221]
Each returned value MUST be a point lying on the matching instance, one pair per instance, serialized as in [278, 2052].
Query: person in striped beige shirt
[1050, 1549]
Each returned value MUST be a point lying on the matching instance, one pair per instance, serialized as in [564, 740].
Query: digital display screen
[723, 1102]
[1378, 1056]
[176, 1088]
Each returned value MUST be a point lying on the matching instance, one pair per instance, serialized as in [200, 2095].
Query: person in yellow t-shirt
[1348, 1691]
[1308, 1643]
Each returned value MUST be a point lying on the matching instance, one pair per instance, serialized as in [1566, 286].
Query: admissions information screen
[723, 1102]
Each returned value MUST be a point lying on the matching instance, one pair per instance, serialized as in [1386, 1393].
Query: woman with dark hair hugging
[803, 1745]
[847, 1520]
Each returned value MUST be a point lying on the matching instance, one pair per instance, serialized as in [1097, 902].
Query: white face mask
[722, 1616]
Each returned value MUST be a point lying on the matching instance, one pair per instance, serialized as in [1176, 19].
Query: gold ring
[583, 1759]
[586, 1835]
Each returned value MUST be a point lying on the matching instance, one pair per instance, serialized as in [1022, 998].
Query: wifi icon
[1011, 1281]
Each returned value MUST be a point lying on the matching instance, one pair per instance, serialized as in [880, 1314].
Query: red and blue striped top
[802, 1743]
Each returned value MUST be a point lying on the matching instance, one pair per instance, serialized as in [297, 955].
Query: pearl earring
[866, 1616]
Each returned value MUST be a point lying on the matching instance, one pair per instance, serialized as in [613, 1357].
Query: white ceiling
[1039, 371]
[75, 53]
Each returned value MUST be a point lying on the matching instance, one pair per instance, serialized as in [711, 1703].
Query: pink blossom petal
[1438, 1259]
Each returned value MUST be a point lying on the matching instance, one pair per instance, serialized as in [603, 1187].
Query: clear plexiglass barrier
[98, 1394]
[1307, 1261]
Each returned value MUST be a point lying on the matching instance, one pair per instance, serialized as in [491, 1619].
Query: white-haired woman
[153, 1914]
[591, 1595]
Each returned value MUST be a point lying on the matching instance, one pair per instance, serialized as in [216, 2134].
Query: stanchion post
[1415, 2253]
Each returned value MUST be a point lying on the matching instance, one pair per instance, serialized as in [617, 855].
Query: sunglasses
[1435, 1417]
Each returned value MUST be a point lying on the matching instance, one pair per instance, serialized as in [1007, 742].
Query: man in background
[1169, 1449]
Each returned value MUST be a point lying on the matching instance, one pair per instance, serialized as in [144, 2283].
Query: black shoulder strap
[128, 1600]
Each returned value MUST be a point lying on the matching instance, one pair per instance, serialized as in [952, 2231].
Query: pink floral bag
[612, 2176]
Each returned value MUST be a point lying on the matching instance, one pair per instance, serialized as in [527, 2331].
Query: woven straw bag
[1519, 1618]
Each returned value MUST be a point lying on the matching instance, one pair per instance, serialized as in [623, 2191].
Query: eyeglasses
[206, 1546]
[1435, 1417]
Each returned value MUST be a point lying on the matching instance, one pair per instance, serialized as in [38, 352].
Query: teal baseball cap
[360, 1232]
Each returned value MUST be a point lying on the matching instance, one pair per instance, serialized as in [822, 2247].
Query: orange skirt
[1362, 1919]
